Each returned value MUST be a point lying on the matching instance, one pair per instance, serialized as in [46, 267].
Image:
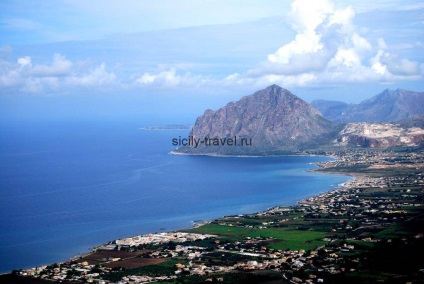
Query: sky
[138, 58]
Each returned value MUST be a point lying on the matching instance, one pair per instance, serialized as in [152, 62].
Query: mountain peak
[387, 106]
[273, 86]
[274, 95]
[273, 119]
[273, 90]
[277, 90]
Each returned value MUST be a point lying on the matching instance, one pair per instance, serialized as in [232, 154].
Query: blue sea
[68, 186]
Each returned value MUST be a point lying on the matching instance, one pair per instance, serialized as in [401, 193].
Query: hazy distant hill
[276, 120]
[330, 109]
[168, 127]
[416, 120]
[388, 106]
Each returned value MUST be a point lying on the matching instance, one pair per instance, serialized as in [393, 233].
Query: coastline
[250, 156]
[199, 223]
[333, 236]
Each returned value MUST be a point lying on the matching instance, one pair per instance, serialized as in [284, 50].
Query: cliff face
[374, 135]
[388, 106]
[273, 119]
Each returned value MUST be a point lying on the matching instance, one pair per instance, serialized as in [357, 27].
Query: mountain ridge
[273, 118]
[277, 122]
[387, 106]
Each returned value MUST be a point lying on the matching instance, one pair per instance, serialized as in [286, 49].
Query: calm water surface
[66, 187]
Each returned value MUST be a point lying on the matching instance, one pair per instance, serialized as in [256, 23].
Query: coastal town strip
[357, 232]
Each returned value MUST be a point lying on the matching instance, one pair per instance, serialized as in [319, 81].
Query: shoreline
[249, 156]
[330, 236]
[197, 224]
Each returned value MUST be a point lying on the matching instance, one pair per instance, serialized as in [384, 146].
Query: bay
[68, 186]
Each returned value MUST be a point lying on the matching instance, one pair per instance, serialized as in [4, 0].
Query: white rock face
[379, 135]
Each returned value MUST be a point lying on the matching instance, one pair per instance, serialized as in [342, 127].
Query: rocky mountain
[388, 106]
[273, 121]
[270, 121]
[379, 135]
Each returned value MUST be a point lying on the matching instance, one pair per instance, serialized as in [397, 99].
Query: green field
[165, 268]
[284, 239]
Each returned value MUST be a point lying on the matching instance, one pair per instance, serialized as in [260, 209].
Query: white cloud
[376, 64]
[329, 49]
[170, 78]
[24, 61]
[59, 67]
[342, 17]
[402, 66]
[25, 76]
[360, 43]
[306, 17]
[344, 58]
[381, 43]
[97, 76]
[61, 73]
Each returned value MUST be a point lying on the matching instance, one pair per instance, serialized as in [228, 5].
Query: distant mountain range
[275, 121]
[388, 106]
[168, 127]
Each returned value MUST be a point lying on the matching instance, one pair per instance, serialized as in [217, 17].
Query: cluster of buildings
[363, 157]
[361, 208]
[66, 272]
[177, 237]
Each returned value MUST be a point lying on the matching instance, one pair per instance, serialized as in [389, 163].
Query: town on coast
[357, 232]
